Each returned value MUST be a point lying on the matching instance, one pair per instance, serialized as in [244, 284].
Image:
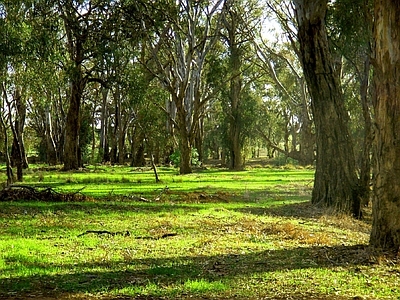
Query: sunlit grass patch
[212, 234]
[202, 286]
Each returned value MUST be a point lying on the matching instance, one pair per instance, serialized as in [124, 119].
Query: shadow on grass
[301, 210]
[92, 277]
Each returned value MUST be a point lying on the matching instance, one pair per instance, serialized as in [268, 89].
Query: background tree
[350, 32]
[178, 55]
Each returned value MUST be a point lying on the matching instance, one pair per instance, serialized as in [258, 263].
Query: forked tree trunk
[335, 182]
[386, 190]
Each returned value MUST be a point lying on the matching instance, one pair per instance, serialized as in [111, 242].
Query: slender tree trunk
[51, 154]
[336, 182]
[9, 172]
[365, 168]
[386, 193]
[18, 148]
[104, 151]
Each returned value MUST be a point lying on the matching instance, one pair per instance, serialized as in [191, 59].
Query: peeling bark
[386, 187]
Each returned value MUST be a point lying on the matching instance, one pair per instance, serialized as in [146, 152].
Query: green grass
[213, 234]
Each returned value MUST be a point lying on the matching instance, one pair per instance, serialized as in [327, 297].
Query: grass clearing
[213, 234]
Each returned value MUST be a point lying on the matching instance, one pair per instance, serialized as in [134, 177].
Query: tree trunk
[18, 154]
[335, 182]
[9, 171]
[365, 167]
[386, 194]
[71, 160]
[184, 138]
[104, 151]
[307, 137]
[51, 154]
[235, 145]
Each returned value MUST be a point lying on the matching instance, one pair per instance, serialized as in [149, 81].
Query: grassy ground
[213, 234]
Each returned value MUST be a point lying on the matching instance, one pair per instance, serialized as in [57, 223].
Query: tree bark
[18, 148]
[51, 154]
[365, 166]
[335, 182]
[71, 160]
[386, 187]
[184, 140]
[235, 65]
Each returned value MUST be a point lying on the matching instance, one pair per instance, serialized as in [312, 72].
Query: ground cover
[214, 234]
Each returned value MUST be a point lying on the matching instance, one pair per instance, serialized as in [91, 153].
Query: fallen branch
[99, 232]
[127, 233]
[160, 194]
[27, 193]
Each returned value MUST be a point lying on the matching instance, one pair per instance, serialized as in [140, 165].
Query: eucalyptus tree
[178, 54]
[350, 33]
[386, 202]
[14, 60]
[336, 182]
[86, 24]
[240, 21]
[287, 88]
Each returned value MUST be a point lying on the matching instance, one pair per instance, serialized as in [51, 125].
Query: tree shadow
[301, 210]
[98, 277]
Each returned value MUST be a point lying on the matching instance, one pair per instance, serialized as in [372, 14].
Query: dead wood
[127, 233]
[46, 194]
[99, 232]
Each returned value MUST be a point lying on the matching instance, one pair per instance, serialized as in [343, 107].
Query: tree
[178, 57]
[335, 182]
[350, 31]
[239, 21]
[386, 188]
[87, 25]
[14, 61]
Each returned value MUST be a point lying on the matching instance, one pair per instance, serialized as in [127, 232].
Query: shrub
[176, 158]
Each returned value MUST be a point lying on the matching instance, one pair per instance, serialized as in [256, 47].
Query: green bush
[176, 158]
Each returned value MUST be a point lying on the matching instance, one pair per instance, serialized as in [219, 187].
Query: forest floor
[214, 234]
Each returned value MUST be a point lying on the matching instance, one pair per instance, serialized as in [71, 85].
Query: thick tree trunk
[307, 137]
[336, 182]
[386, 193]
[235, 122]
[184, 138]
[185, 148]
[71, 160]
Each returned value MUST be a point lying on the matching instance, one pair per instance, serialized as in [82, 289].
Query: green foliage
[176, 158]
